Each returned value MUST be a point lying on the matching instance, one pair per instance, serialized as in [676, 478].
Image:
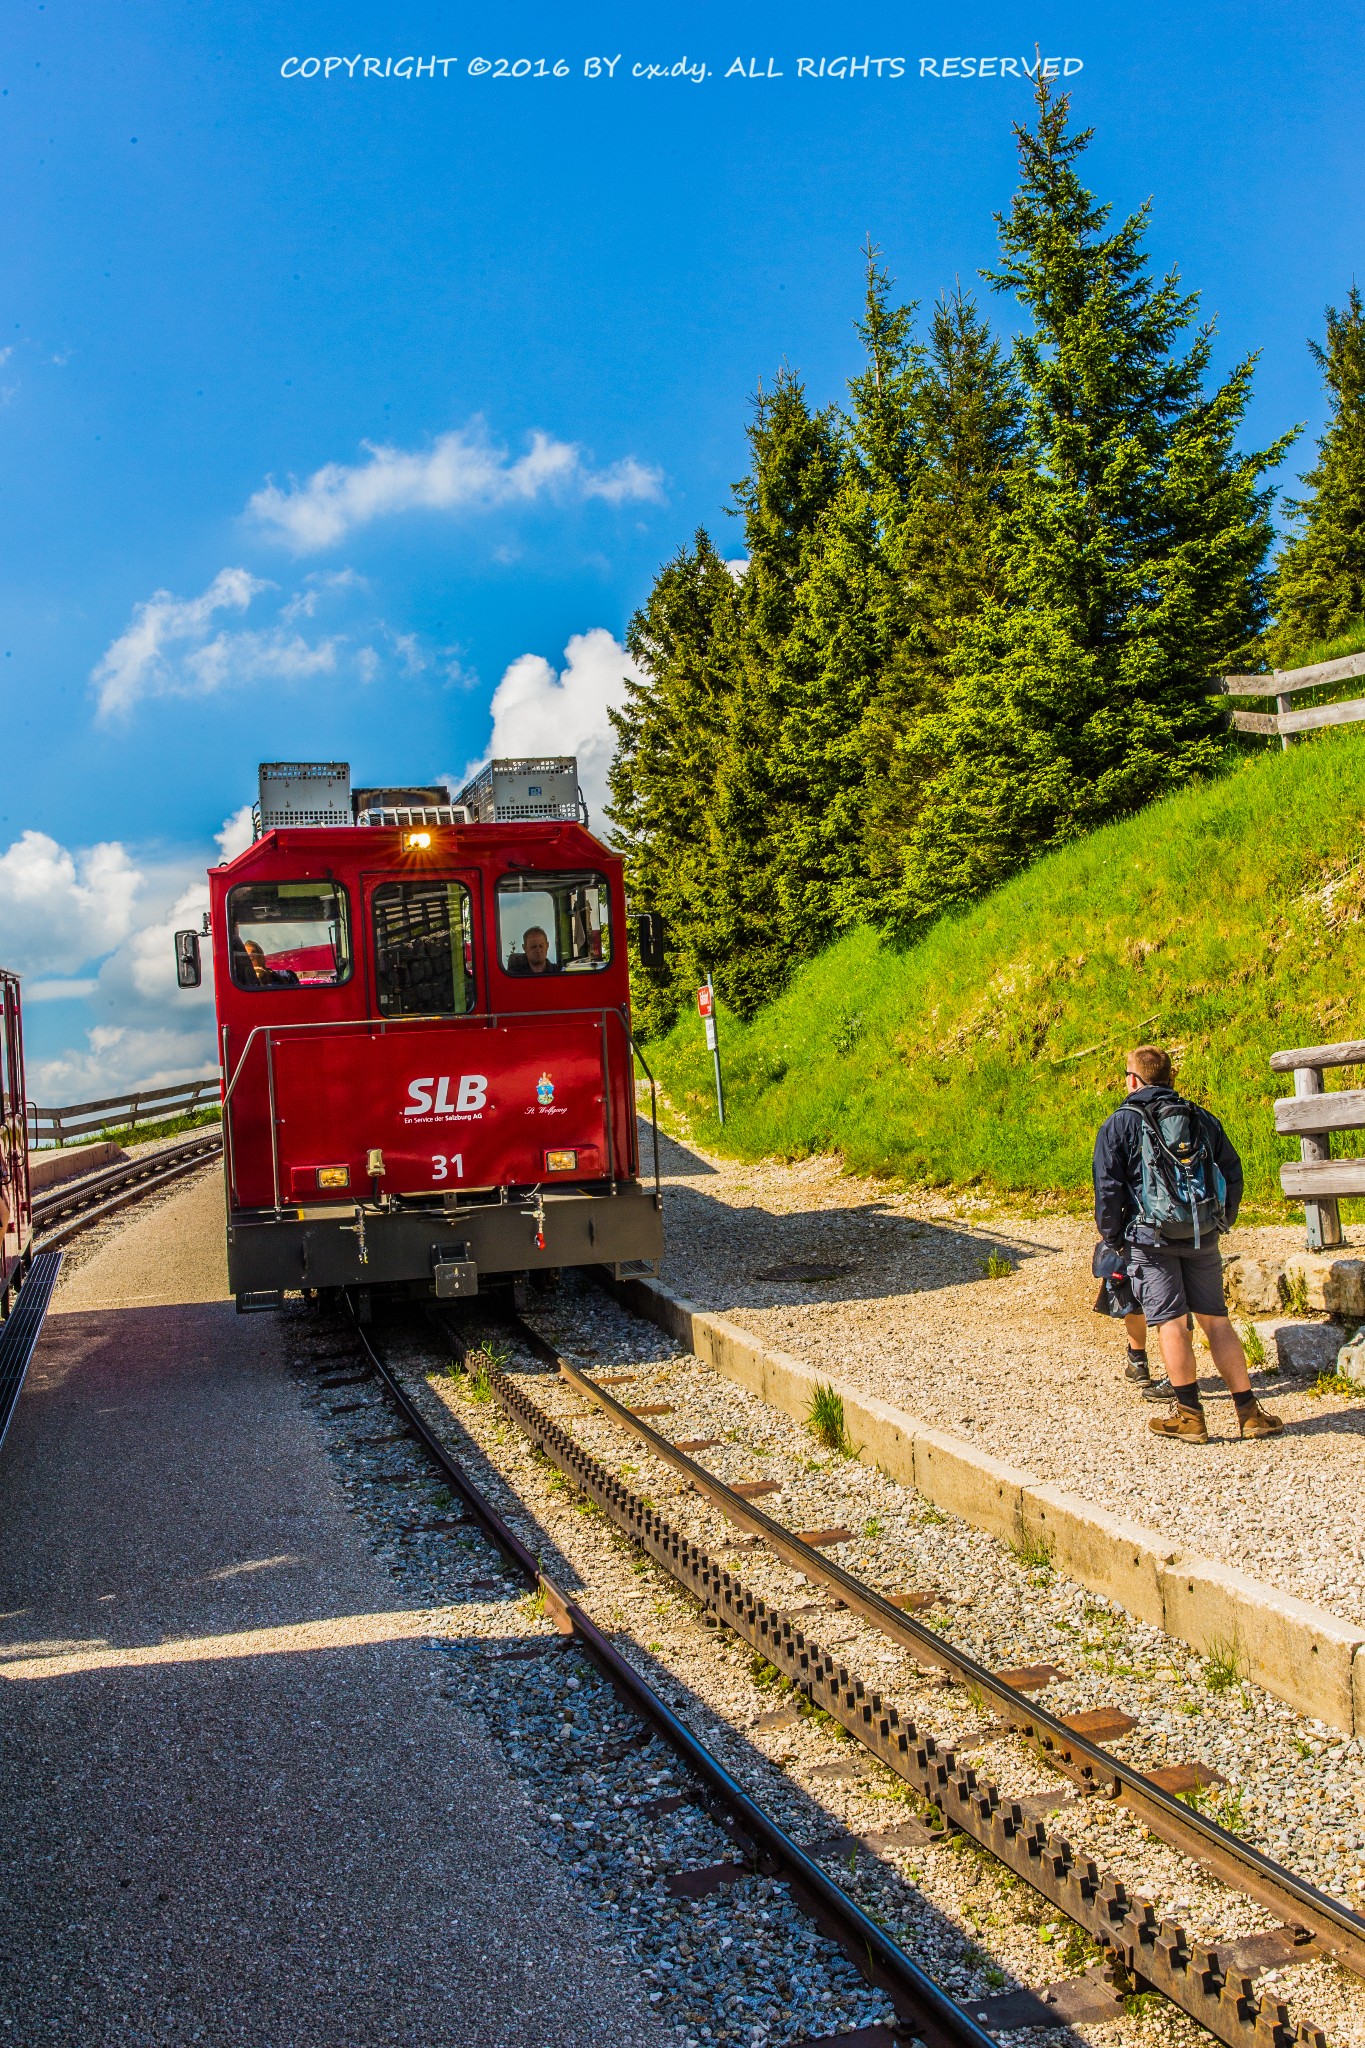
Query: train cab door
[424, 948]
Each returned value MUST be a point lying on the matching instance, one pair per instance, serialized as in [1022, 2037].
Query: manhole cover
[809, 1271]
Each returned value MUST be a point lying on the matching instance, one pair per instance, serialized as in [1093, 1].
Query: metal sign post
[706, 1010]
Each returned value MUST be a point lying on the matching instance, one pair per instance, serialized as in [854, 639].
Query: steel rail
[116, 1188]
[924, 2009]
[1207, 1983]
[1194, 1834]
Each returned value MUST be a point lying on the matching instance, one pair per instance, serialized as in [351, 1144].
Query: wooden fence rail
[1312, 1116]
[1284, 684]
[79, 1119]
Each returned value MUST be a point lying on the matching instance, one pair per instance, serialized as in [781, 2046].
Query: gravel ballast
[972, 1925]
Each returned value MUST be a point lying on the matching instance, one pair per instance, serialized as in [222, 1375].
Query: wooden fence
[147, 1105]
[1284, 685]
[1312, 1116]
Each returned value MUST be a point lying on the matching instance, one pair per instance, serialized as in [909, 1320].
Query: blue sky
[330, 402]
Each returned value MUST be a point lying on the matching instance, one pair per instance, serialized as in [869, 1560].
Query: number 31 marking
[440, 1165]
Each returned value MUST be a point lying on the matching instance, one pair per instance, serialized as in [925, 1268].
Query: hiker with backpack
[1168, 1182]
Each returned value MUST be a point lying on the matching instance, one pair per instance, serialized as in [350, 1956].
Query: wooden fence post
[1323, 1217]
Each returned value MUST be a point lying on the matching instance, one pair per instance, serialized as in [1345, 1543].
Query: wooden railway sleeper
[1152, 1955]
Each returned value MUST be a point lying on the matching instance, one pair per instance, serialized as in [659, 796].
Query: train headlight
[416, 842]
[561, 1162]
[334, 1176]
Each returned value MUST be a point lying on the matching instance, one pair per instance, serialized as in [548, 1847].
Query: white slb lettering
[473, 1091]
[419, 1096]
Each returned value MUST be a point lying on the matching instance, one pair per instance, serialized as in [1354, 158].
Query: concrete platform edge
[1305, 1655]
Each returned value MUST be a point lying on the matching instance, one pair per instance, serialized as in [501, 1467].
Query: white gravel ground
[1020, 1365]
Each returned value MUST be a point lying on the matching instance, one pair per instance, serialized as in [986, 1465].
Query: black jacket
[1118, 1169]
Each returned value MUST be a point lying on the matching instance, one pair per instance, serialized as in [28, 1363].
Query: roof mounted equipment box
[512, 790]
[303, 793]
[410, 804]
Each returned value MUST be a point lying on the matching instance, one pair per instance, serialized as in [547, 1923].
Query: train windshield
[423, 949]
[553, 924]
[289, 935]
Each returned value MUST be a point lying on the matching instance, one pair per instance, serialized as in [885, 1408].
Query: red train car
[16, 1241]
[423, 1018]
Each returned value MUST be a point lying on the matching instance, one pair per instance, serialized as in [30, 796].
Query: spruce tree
[1319, 580]
[850, 615]
[670, 735]
[945, 554]
[796, 461]
[1134, 564]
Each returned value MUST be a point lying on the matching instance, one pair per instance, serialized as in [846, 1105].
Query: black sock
[1188, 1397]
[1136, 1357]
[1244, 1403]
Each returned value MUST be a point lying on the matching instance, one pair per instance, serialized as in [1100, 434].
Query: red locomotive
[424, 1029]
[16, 1238]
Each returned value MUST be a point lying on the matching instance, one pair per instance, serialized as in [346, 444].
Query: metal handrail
[488, 1019]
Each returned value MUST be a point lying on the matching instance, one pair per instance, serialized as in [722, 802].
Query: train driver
[267, 976]
[535, 946]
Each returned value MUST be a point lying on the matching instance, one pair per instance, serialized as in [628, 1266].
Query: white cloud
[247, 657]
[317, 585]
[58, 991]
[236, 835]
[119, 1056]
[539, 710]
[182, 647]
[462, 469]
[142, 661]
[98, 907]
[59, 909]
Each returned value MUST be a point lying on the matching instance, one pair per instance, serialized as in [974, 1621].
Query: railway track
[1214, 1983]
[924, 2011]
[66, 1211]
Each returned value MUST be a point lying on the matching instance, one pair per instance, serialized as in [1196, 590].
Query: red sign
[706, 1003]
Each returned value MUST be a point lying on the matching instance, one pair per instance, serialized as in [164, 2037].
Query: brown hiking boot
[1260, 1422]
[1187, 1424]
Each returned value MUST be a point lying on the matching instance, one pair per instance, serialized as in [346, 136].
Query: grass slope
[1224, 922]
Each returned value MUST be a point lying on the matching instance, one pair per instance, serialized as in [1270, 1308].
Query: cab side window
[288, 935]
[423, 949]
[553, 924]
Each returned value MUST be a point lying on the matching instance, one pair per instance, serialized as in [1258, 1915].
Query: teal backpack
[1183, 1194]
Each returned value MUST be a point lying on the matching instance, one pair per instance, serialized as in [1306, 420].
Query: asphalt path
[235, 1806]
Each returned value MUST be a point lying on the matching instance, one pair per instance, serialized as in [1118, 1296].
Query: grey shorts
[1170, 1283]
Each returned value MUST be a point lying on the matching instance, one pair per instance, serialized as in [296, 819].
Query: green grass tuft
[998, 1266]
[1294, 1292]
[1258, 1358]
[825, 1419]
[1224, 922]
[1224, 1665]
[1034, 1553]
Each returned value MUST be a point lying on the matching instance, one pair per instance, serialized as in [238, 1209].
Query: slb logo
[430, 1096]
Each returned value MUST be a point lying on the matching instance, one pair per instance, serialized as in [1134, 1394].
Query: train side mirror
[189, 970]
[651, 937]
